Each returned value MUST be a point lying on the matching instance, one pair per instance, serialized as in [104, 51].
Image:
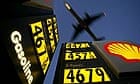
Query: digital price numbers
[53, 32]
[77, 45]
[69, 55]
[85, 75]
[40, 44]
[45, 35]
[79, 53]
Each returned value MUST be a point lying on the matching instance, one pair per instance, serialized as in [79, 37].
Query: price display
[55, 29]
[53, 32]
[40, 45]
[77, 45]
[69, 55]
[85, 75]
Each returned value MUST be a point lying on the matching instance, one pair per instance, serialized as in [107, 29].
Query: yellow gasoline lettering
[40, 44]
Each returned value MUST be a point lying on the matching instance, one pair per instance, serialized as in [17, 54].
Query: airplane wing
[77, 32]
[93, 35]
[83, 23]
[75, 35]
[91, 19]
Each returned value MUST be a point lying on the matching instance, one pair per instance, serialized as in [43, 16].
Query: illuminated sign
[122, 57]
[126, 51]
[85, 75]
[69, 55]
[77, 45]
[21, 52]
[52, 32]
[16, 39]
[29, 48]
[45, 35]
[79, 54]
[79, 64]
[40, 44]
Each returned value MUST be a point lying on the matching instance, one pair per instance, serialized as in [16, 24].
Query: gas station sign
[85, 75]
[40, 45]
[122, 57]
[16, 39]
[29, 47]
[98, 62]
[52, 32]
[69, 55]
[21, 52]
[126, 51]
[78, 63]
[45, 35]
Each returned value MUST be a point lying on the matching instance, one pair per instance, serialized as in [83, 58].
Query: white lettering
[16, 38]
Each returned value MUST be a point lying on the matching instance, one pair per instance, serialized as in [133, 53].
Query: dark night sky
[122, 22]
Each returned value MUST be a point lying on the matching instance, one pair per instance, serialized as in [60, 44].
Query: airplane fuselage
[83, 23]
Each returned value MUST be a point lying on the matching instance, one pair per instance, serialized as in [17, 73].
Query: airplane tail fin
[74, 27]
[87, 15]
[100, 39]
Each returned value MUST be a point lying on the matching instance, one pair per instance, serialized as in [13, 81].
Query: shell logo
[126, 51]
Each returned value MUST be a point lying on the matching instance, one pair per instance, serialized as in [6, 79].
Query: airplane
[84, 23]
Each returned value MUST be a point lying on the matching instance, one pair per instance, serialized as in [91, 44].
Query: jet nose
[67, 6]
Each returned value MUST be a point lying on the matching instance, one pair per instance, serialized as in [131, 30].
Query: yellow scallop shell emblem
[124, 50]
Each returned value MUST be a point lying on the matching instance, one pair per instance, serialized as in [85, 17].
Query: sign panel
[122, 57]
[40, 45]
[52, 32]
[45, 36]
[82, 63]
[20, 48]
[29, 46]
[85, 75]
[79, 64]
